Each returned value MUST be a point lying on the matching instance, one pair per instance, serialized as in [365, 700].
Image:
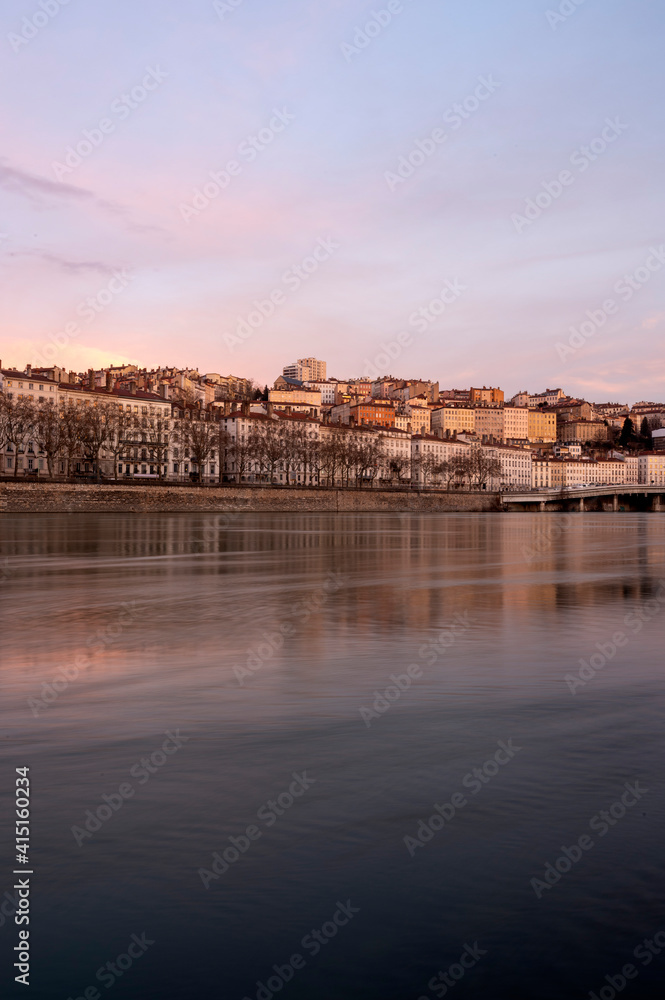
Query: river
[238, 728]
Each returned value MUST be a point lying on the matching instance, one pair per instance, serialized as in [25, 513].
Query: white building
[307, 370]
[651, 468]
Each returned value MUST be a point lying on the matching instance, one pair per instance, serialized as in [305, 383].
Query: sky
[458, 190]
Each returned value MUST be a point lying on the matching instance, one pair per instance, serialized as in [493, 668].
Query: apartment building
[548, 398]
[307, 370]
[306, 401]
[651, 468]
[486, 395]
[448, 420]
[489, 422]
[515, 423]
[541, 426]
[26, 385]
[377, 412]
[516, 467]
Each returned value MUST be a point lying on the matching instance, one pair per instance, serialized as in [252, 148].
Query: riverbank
[46, 497]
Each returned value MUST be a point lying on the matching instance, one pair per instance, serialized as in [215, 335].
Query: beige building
[448, 420]
[25, 385]
[515, 423]
[489, 422]
[307, 370]
[651, 468]
[541, 426]
[541, 473]
[581, 430]
[306, 401]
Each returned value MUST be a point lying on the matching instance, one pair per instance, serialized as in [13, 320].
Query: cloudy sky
[232, 185]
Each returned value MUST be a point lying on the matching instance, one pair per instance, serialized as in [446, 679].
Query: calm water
[256, 643]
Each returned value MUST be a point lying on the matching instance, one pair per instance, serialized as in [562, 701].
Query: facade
[581, 430]
[327, 388]
[307, 401]
[449, 420]
[515, 423]
[651, 468]
[541, 473]
[516, 467]
[489, 422]
[25, 385]
[486, 395]
[541, 426]
[307, 370]
[548, 398]
[377, 412]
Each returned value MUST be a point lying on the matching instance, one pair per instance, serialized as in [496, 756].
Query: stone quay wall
[49, 497]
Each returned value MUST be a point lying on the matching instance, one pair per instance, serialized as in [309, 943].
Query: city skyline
[378, 172]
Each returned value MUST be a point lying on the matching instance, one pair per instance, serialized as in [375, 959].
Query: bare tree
[331, 456]
[270, 447]
[123, 429]
[243, 452]
[71, 416]
[49, 433]
[199, 437]
[482, 468]
[95, 433]
[223, 447]
[400, 466]
[17, 418]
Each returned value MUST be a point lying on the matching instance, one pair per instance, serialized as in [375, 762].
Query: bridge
[612, 497]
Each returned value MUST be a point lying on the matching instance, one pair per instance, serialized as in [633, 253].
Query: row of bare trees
[65, 435]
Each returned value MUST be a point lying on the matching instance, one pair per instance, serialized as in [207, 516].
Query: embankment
[46, 497]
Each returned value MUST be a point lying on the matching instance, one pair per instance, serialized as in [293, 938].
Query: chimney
[162, 390]
[72, 378]
[132, 387]
[91, 379]
[269, 409]
[244, 409]
[28, 370]
[109, 381]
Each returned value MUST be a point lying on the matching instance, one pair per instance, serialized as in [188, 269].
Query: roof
[122, 393]
[32, 377]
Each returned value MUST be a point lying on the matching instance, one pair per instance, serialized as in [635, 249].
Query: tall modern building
[307, 370]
